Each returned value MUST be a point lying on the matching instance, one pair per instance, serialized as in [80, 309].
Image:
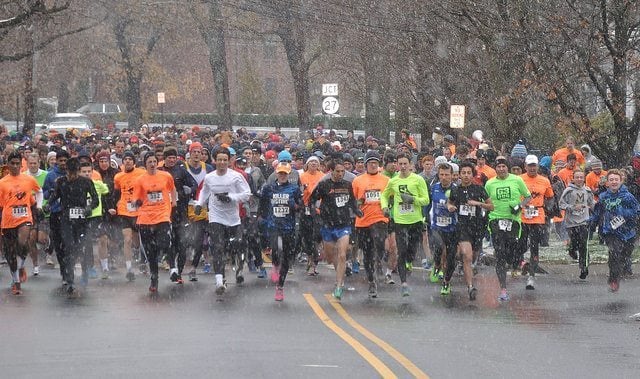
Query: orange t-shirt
[309, 182]
[95, 175]
[367, 189]
[566, 174]
[592, 180]
[125, 181]
[540, 188]
[155, 191]
[488, 171]
[561, 154]
[16, 198]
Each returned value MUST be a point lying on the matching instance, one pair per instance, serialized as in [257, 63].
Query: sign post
[161, 102]
[456, 117]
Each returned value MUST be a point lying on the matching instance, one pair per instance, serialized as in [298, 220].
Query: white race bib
[19, 211]
[307, 211]
[531, 212]
[281, 211]
[617, 222]
[406, 208]
[505, 225]
[342, 200]
[372, 196]
[154, 197]
[76, 213]
[443, 221]
[467, 210]
[131, 207]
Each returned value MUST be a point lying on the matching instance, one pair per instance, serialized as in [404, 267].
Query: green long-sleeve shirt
[404, 213]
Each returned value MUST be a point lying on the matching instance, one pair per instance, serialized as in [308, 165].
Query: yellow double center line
[376, 363]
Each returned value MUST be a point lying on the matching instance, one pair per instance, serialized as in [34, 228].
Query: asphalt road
[565, 328]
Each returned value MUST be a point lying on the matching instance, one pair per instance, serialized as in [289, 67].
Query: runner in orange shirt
[533, 217]
[155, 194]
[16, 198]
[570, 148]
[126, 209]
[484, 172]
[372, 227]
[308, 228]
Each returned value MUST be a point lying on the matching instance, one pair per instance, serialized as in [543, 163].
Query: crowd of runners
[197, 200]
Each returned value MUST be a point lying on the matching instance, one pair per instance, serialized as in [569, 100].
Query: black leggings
[619, 251]
[282, 257]
[156, 241]
[408, 238]
[75, 242]
[578, 236]
[531, 238]
[504, 244]
[225, 238]
[12, 248]
[371, 242]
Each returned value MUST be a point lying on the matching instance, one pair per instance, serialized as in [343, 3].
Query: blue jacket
[441, 218]
[278, 204]
[50, 185]
[611, 206]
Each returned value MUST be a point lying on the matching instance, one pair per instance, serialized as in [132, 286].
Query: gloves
[87, 211]
[46, 208]
[39, 215]
[223, 197]
[197, 210]
[406, 198]
[138, 203]
[186, 190]
[385, 212]
[516, 209]
[359, 213]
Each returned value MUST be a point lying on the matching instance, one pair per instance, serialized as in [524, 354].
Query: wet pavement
[564, 328]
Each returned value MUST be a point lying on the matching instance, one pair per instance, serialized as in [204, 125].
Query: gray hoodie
[572, 197]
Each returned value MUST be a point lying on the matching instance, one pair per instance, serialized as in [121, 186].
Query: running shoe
[49, 260]
[73, 293]
[584, 273]
[389, 280]
[530, 283]
[207, 268]
[347, 270]
[409, 266]
[434, 277]
[239, 277]
[445, 290]
[355, 267]
[404, 290]
[22, 275]
[373, 290]
[473, 293]
[192, 276]
[153, 288]
[440, 275]
[143, 269]
[262, 273]
[573, 255]
[426, 264]
[312, 270]
[504, 295]
[337, 292]
[105, 274]
[131, 276]
[15, 289]
[275, 274]
[165, 265]
[279, 294]
[179, 280]
[36, 270]
[93, 274]
[291, 270]
[220, 288]
[174, 276]
[614, 285]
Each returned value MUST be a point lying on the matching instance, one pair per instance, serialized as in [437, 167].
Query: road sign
[456, 120]
[330, 105]
[160, 97]
[330, 89]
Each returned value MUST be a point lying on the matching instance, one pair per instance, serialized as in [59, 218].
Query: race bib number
[19, 211]
[307, 211]
[76, 213]
[406, 208]
[467, 210]
[578, 212]
[505, 225]
[531, 212]
[443, 221]
[372, 196]
[131, 207]
[342, 200]
[280, 211]
[154, 197]
[616, 222]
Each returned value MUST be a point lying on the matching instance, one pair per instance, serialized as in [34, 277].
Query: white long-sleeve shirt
[232, 183]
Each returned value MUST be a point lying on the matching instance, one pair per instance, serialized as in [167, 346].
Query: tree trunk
[376, 101]
[218, 62]
[293, 40]
[29, 98]
[134, 105]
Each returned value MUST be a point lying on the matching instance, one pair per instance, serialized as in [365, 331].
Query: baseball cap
[284, 156]
[270, 154]
[194, 146]
[531, 159]
[283, 167]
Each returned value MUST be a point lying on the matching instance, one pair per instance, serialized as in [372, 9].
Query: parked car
[104, 114]
[61, 122]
